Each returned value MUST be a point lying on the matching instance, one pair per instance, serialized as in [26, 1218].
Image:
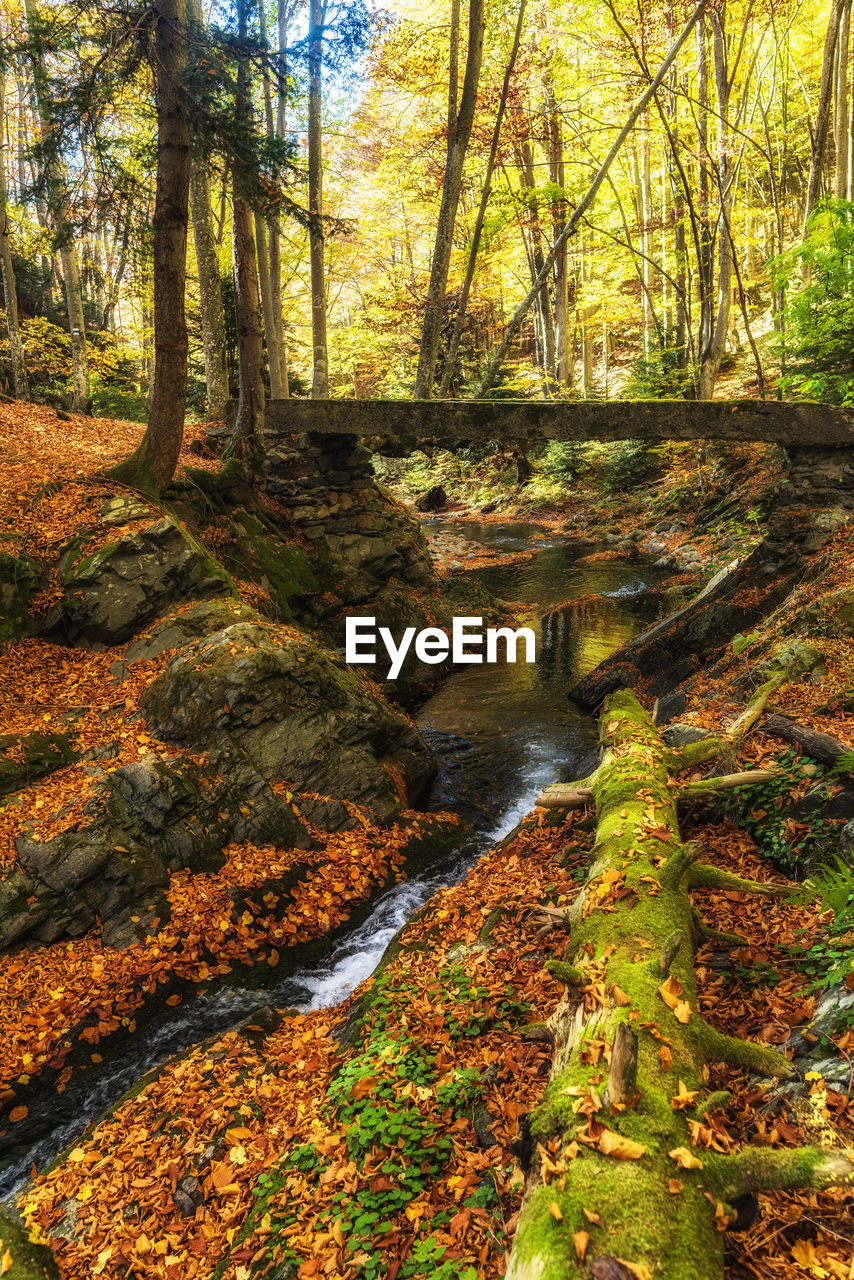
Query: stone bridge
[318, 465]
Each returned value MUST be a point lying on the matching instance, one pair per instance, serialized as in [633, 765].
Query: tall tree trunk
[210, 287]
[263, 252]
[458, 139]
[564, 372]
[840, 107]
[525, 161]
[677, 200]
[16, 350]
[61, 216]
[269, 254]
[247, 442]
[704, 262]
[823, 111]
[459, 320]
[646, 243]
[155, 461]
[320, 377]
[712, 353]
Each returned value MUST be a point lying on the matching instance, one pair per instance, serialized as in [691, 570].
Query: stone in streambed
[433, 499]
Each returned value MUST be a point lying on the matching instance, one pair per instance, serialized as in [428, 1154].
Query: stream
[499, 732]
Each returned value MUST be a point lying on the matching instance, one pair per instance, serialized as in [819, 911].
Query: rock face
[146, 820]
[297, 714]
[361, 536]
[24, 758]
[111, 595]
[20, 579]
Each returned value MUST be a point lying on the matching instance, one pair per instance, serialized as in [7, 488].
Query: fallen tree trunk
[623, 1183]
[820, 746]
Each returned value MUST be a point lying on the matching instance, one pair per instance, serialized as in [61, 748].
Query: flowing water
[499, 732]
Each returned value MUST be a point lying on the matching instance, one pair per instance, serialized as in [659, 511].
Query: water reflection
[504, 731]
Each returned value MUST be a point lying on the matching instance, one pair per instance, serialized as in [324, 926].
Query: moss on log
[622, 1182]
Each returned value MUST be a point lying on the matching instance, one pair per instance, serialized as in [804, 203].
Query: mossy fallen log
[624, 1181]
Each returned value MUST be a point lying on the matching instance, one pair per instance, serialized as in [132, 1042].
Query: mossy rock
[113, 593]
[831, 615]
[179, 629]
[20, 579]
[263, 557]
[29, 1261]
[465, 593]
[23, 758]
[297, 713]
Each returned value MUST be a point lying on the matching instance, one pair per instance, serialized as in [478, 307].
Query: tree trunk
[456, 334]
[210, 287]
[269, 247]
[459, 133]
[153, 464]
[247, 442]
[320, 378]
[536, 258]
[61, 216]
[840, 107]
[712, 353]
[557, 171]
[16, 350]
[705, 270]
[263, 252]
[617, 1188]
[646, 242]
[823, 111]
[246, 446]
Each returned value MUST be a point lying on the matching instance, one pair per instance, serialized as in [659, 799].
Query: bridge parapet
[787, 423]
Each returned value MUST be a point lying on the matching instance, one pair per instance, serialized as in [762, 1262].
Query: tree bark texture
[824, 109]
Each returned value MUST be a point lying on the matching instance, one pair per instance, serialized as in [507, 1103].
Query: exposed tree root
[615, 1177]
[711, 786]
[704, 876]
[703, 933]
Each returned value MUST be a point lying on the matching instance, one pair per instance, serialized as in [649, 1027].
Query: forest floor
[385, 1138]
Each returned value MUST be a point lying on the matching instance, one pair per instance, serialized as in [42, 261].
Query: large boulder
[296, 711]
[146, 820]
[111, 595]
